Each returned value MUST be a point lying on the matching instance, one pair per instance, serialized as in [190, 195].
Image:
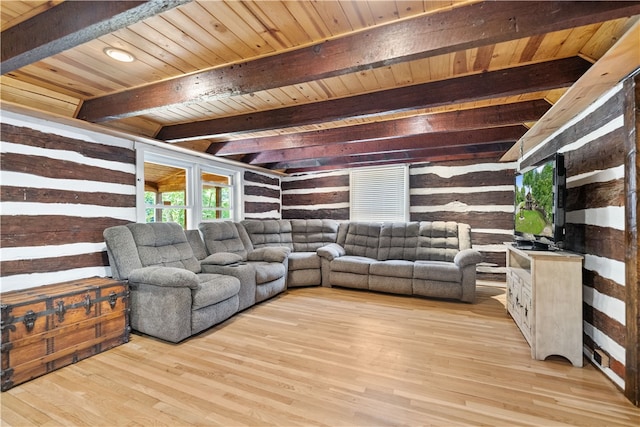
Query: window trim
[234, 177]
[194, 166]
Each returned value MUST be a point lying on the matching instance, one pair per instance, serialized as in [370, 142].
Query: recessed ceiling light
[119, 54]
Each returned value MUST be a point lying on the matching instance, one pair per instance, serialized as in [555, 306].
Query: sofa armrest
[269, 254]
[331, 251]
[467, 257]
[164, 276]
[222, 258]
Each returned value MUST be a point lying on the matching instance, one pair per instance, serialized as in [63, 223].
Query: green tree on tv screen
[533, 213]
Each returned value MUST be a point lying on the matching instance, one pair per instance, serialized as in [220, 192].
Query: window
[186, 189]
[379, 194]
[165, 193]
[217, 197]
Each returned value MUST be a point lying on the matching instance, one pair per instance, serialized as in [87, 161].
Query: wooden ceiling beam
[491, 150]
[455, 29]
[494, 84]
[476, 118]
[70, 24]
[389, 145]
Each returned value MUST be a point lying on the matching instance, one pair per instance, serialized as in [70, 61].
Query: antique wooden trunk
[48, 327]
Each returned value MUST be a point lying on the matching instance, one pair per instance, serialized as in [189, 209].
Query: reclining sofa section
[432, 259]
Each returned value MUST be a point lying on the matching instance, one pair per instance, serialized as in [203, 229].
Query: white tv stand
[544, 298]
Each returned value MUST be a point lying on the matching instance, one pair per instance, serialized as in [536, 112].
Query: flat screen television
[540, 205]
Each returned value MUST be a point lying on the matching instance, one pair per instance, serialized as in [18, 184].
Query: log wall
[261, 196]
[316, 196]
[479, 194]
[60, 188]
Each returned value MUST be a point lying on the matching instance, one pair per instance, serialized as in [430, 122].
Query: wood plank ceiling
[298, 86]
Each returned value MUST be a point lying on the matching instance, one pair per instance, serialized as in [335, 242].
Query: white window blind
[379, 194]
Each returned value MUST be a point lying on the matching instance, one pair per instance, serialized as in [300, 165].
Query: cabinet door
[513, 296]
[526, 312]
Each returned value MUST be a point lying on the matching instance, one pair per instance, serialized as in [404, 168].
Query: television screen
[539, 203]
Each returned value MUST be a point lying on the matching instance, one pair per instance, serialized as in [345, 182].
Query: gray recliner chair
[170, 298]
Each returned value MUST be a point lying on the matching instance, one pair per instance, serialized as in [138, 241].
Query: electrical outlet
[601, 358]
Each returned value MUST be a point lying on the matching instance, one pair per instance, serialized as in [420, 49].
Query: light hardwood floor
[333, 357]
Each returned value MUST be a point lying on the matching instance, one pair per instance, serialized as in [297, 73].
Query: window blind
[379, 194]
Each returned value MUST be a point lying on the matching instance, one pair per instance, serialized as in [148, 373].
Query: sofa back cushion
[163, 244]
[122, 251]
[269, 232]
[311, 234]
[197, 244]
[362, 239]
[398, 240]
[223, 237]
[440, 240]
[464, 236]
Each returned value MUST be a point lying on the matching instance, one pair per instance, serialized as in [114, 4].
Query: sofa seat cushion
[392, 268]
[268, 271]
[303, 261]
[214, 288]
[352, 264]
[440, 271]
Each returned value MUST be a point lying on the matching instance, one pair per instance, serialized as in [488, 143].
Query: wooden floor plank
[330, 357]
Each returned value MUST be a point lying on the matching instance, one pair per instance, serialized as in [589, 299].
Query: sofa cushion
[398, 240]
[362, 239]
[165, 244]
[222, 258]
[303, 261]
[222, 237]
[392, 268]
[170, 277]
[440, 271]
[122, 251]
[196, 243]
[352, 264]
[214, 288]
[438, 241]
[311, 234]
[268, 271]
[269, 254]
[269, 232]
[464, 236]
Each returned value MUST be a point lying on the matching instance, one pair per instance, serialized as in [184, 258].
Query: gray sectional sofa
[224, 267]
[432, 259]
